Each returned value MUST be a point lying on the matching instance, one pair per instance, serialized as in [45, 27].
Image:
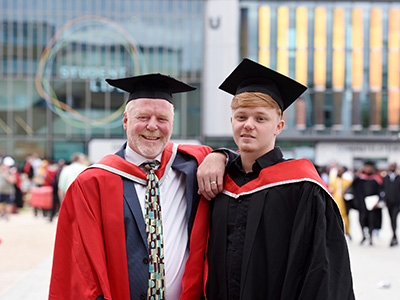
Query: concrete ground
[25, 256]
[376, 269]
[27, 243]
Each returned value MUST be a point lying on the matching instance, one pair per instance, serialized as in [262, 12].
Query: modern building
[56, 54]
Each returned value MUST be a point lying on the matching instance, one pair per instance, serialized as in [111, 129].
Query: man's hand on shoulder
[210, 175]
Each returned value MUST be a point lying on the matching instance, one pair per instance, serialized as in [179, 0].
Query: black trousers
[393, 212]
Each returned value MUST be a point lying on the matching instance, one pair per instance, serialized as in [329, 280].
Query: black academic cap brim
[154, 86]
[250, 76]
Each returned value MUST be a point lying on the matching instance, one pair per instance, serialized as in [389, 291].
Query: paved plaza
[27, 244]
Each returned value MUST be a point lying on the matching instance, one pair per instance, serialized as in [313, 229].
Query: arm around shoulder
[210, 174]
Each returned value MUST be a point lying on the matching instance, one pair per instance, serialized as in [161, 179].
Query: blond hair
[251, 99]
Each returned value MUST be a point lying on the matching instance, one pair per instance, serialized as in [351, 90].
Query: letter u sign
[214, 22]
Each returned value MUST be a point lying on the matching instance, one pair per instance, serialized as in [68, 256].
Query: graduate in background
[368, 198]
[275, 231]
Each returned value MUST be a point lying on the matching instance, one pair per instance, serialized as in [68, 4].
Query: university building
[55, 55]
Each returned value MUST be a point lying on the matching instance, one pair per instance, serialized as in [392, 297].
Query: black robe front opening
[294, 246]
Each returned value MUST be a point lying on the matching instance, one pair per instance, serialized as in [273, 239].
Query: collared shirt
[240, 177]
[237, 217]
[174, 221]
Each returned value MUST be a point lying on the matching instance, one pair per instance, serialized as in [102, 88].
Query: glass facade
[55, 55]
[347, 53]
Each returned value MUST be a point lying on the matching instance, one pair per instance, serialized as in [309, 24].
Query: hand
[210, 175]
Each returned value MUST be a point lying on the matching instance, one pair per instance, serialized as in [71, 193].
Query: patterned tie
[154, 231]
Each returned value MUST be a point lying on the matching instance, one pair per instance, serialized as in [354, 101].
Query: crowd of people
[366, 190]
[20, 184]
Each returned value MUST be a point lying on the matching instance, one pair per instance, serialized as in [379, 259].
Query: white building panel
[221, 56]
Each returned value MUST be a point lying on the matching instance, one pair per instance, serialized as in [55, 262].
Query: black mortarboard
[250, 76]
[155, 86]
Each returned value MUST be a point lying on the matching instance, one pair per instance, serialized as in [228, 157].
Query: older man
[125, 223]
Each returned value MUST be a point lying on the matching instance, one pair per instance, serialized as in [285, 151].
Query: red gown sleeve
[192, 281]
[90, 253]
[197, 151]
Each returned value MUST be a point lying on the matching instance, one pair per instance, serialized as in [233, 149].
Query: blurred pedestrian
[32, 164]
[28, 168]
[338, 185]
[79, 162]
[51, 179]
[7, 188]
[19, 199]
[324, 174]
[367, 189]
[348, 195]
[391, 188]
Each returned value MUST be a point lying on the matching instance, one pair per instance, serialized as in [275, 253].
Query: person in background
[338, 186]
[348, 194]
[112, 242]
[68, 174]
[28, 169]
[51, 179]
[324, 174]
[275, 230]
[19, 199]
[367, 190]
[7, 188]
[391, 188]
[32, 163]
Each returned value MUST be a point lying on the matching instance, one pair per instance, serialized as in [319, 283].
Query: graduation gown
[363, 186]
[99, 217]
[392, 190]
[294, 245]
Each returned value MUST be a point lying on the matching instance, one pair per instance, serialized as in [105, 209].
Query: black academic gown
[294, 245]
[363, 186]
[391, 187]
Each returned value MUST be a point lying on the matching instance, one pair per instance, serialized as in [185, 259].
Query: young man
[275, 231]
[125, 224]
